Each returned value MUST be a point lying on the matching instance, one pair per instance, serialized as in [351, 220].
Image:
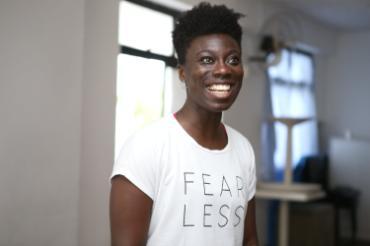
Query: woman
[188, 179]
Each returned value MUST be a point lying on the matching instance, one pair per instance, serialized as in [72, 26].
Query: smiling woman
[213, 72]
[189, 179]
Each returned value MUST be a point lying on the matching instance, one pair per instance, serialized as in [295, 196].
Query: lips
[219, 90]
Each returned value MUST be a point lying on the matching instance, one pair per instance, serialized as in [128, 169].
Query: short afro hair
[201, 20]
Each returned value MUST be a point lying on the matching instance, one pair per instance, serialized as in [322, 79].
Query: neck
[203, 125]
[200, 124]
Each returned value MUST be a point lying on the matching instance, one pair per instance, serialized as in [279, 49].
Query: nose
[221, 69]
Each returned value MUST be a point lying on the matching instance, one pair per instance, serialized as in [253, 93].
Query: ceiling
[345, 15]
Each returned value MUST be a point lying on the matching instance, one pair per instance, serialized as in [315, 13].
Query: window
[292, 95]
[145, 66]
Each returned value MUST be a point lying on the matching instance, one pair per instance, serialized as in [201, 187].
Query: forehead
[213, 43]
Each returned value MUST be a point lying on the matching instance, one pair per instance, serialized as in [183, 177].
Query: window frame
[170, 61]
[279, 167]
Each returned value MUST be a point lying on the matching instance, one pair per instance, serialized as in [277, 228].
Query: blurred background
[77, 77]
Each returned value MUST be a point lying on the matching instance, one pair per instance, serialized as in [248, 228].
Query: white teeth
[220, 93]
[219, 87]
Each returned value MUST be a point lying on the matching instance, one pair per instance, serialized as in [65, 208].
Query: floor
[346, 242]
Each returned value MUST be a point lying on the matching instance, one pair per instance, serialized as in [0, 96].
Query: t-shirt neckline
[189, 138]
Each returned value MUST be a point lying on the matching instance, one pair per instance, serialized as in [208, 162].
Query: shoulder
[240, 144]
[150, 135]
[244, 150]
[142, 150]
[238, 138]
[139, 157]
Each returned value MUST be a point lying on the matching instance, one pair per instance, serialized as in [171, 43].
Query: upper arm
[130, 211]
[250, 230]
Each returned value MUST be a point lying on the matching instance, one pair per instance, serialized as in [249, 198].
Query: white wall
[40, 103]
[347, 91]
[57, 101]
[346, 107]
[97, 129]
[350, 160]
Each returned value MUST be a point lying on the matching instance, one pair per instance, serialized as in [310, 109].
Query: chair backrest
[315, 170]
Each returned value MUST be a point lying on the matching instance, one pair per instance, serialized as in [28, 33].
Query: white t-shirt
[199, 195]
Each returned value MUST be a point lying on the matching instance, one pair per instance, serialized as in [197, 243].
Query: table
[287, 193]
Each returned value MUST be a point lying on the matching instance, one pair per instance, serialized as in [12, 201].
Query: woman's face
[213, 72]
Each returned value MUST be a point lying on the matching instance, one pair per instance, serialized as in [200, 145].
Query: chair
[345, 198]
[315, 169]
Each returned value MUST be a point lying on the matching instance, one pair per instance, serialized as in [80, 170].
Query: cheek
[199, 75]
[240, 72]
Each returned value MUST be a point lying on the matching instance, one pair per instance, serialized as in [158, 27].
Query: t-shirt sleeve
[252, 174]
[135, 162]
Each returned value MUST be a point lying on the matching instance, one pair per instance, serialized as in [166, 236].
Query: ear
[181, 72]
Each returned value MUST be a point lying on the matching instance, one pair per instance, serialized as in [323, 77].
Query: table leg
[283, 223]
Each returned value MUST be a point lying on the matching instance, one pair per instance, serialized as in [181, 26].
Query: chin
[220, 104]
[220, 108]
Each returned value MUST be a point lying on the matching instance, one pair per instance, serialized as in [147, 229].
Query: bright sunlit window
[145, 29]
[292, 95]
[146, 59]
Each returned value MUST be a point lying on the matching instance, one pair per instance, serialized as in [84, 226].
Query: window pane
[292, 96]
[145, 29]
[294, 67]
[139, 94]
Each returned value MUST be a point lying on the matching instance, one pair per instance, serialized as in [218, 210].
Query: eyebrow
[212, 51]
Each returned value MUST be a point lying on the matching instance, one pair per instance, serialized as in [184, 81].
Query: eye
[234, 60]
[206, 60]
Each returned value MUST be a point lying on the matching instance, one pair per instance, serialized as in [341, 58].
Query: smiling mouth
[219, 90]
